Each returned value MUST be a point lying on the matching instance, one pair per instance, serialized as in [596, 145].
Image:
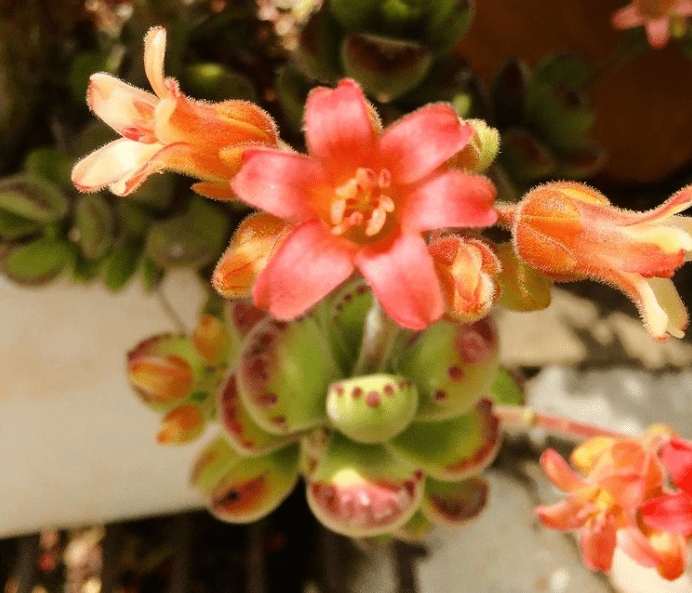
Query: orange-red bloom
[568, 231]
[362, 199]
[166, 130]
[654, 15]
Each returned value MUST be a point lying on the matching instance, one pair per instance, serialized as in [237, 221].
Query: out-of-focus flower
[361, 199]
[167, 130]
[655, 16]
[673, 512]
[603, 505]
[569, 231]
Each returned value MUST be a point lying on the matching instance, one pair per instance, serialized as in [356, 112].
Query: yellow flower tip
[181, 425]
[588, 453]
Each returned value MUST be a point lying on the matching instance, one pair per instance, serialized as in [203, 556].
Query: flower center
[361, 207]
[655, 9]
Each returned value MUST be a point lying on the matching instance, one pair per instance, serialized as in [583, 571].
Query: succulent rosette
[390, 452]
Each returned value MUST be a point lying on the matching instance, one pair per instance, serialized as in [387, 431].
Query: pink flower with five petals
[654, 15]
[167, 130]
[361, 199]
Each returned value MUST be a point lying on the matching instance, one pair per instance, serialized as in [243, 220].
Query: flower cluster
[621, 500]
[656, 16]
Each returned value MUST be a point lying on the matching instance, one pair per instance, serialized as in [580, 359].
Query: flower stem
[524, 418]
[378, 339]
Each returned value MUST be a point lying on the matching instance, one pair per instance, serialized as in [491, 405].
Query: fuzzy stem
[378, 339]
[505, 214]
[524, 418]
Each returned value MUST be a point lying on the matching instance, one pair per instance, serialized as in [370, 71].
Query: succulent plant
[388, 452]
[544, 118]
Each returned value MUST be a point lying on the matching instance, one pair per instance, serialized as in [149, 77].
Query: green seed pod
[452, 365]
[386, 68]
[94, 224]
[37, 262]
[283, 372]
[195, 238]
[33, 198]
[363, 490]
[373, 408]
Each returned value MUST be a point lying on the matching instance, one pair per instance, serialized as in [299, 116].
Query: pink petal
[402, 277]
[658, 32]
[308, 265]
[560, 473]
[338, 127]
[638, 547]
[417, 144]
[627, 489]
[683, 8]
[597, 544]
[677, 457]
[118, 165]
[154, 52]
[669, 513]
[451, 199]
[123, 107]
[627, 18]
[566, 515]
[280, 183]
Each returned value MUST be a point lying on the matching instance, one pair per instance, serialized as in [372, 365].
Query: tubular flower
[603, 505]
[673, 512]
[568, 231]
[166, 130]
[361, 199]
[654, 15]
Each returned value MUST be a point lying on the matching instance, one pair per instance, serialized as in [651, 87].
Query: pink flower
[654, 15]
[673, 512]
[603, 506]
[167, 130]
[568, 231]
[362, 199]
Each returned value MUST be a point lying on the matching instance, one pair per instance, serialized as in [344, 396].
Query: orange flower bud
[181, 425]
[467, 269]
[161, 379]
[569, 231]
[211, 339]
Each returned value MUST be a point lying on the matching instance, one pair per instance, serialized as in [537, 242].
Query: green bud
[507, 389]
[213, 462]
[32, 197]
[94, 224]
[373, 408]
[37, 262]
[386, 68]
[195, 238]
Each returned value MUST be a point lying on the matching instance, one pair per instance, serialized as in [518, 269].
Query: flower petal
[452, 199]
[309, 264]
[637, 546]
[125, 108]
[658, 32]
[154, 52]
[669, 513]
[115, 164]
[339, 127]
[566, 515]
[627, 17]
[280, 183]
[559, 472]
[597, 544]
[417, 144]
[677, 457]
[402, 277]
